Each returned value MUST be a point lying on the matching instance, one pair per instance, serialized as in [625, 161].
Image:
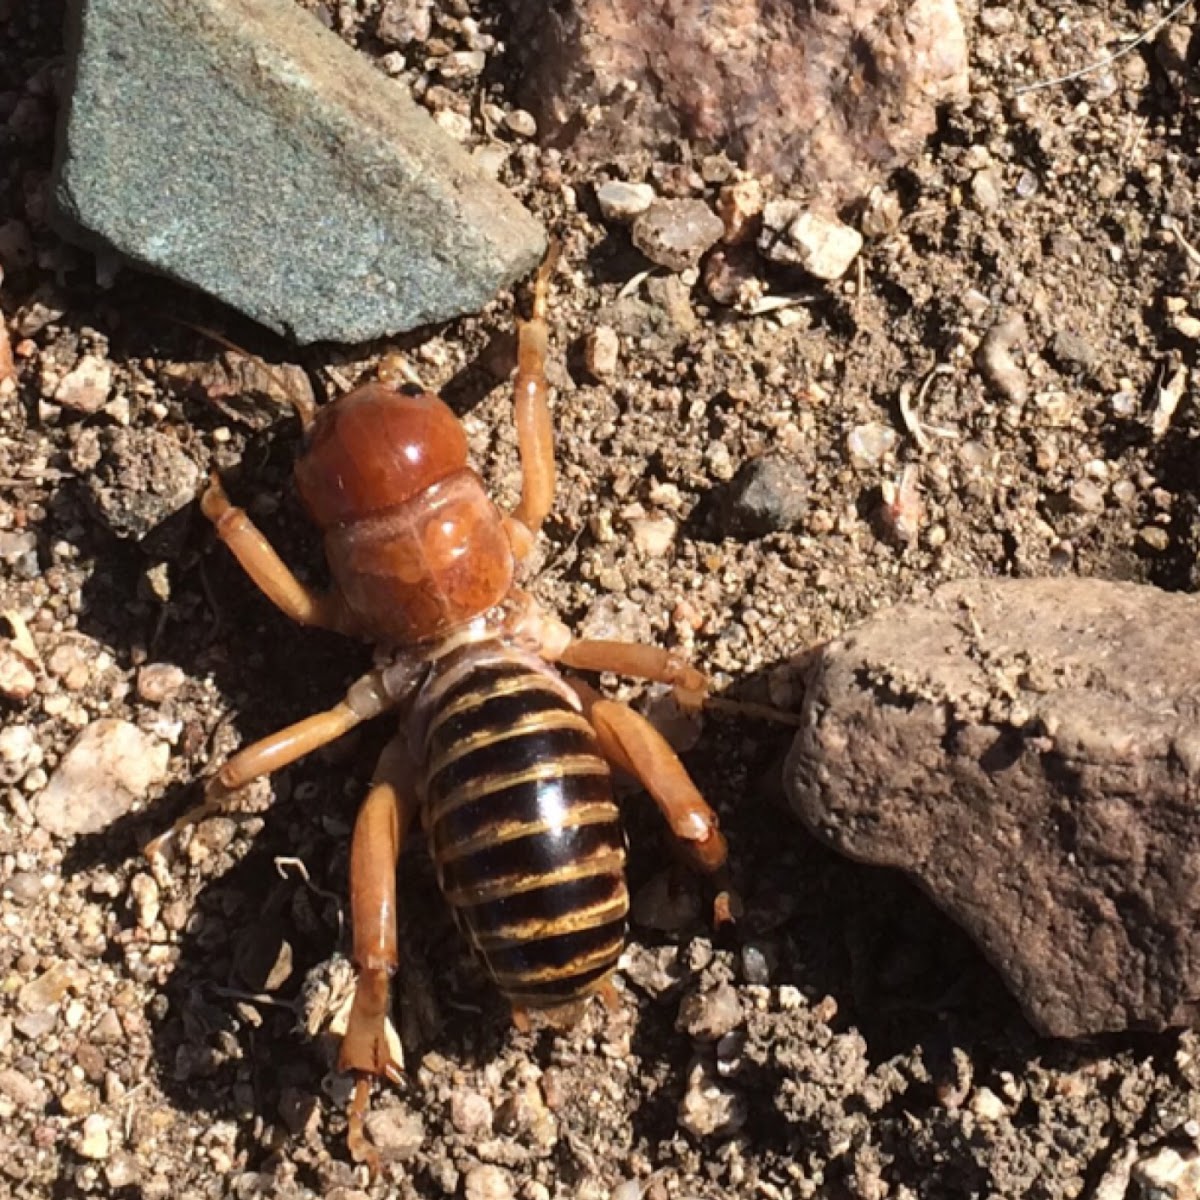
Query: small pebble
[1027, 185]
[95, 1141]
[653, 536]
[602, 352]
[143, 888]
[395, 1132]
[1165, 1174]
[1087, 496]
[867, 444]
[22, 1091]
[819, 244]
[17, 743]
[769, 494]
[882, 214]
[17, 679]
[486, 1182]
[622, 202]
[999, 19]
[996, 362]
[159, 682]
[461, 64]
[709, 1016]
[1187, 325]
[22, 887]
[708, 1107]
[107, 1030]
[121, 1171]
[1154, 537]
[16, 544]
[1072, 352]
[986, 1105]
[140, 478]
[676, 233]
[86, 387]
[655, 971]
[110, 767]
[404, 21]
[470, 1113]
[740, 206]
[71, 662]
[521, 123]
[45, 991]
[987, 188]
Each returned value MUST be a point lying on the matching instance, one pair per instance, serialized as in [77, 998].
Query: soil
[843, 1040]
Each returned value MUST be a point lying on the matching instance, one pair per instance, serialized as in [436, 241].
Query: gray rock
[1073, 352]
[110, 767]
[767, 495]
[139, 480]
[239, 146]
[1029, 752]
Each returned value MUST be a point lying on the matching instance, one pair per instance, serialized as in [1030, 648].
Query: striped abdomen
[524, 832]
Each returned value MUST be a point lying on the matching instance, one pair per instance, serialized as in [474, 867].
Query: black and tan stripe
[524, 832]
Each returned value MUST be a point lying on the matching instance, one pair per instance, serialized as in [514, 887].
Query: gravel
[867, 1052]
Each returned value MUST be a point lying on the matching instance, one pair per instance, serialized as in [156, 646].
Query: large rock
[1029, 752]
[831, 95]
[241, 147]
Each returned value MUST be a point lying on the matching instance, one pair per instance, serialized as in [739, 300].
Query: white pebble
[621, 201]
[602, 352]
[110, 767]
[95, 1141]
[653, 536]
[868, 443]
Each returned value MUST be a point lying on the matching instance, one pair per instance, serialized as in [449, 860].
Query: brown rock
[830, 96]
[1029, 752]
[676, 233]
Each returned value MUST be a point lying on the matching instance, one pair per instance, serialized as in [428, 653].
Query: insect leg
[384, 819]
[535, 432]
[365, 699]
[640, 662]
[689, 683]
[268, 571]
[631, 743]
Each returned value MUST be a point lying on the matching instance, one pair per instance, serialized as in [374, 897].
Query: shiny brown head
[415, 545]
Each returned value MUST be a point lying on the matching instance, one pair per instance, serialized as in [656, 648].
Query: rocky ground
[1016, 339]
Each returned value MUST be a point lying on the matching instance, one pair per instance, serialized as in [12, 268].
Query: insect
[503, 760]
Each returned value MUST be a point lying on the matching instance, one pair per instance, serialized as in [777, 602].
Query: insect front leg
[535, 430]
[379, 831]
[269, 572]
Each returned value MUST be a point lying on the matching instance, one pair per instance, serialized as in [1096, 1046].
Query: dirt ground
[844, 1040]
